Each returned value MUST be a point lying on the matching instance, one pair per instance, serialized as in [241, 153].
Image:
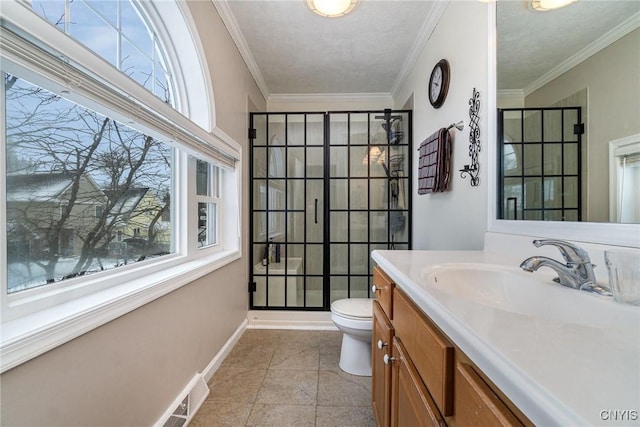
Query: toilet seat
[353, 308]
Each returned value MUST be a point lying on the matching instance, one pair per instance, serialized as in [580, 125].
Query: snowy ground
[23, 275]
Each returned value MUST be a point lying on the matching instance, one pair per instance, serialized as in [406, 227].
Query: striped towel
[434, 165]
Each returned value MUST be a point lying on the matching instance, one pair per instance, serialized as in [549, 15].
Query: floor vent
[186, 404]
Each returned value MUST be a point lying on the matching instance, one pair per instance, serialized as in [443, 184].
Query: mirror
[578, 65]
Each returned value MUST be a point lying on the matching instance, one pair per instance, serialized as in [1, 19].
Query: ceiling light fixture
[545, 5]
[332, 8]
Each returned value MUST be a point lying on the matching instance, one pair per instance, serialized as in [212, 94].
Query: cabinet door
[476, 404]
[411, 403]
[381, 371]
[432, 353]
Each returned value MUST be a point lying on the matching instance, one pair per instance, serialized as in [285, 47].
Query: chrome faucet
[577, 273]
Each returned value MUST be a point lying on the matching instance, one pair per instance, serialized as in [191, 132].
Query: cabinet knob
[375, 288]
[382, 344]
[388, 359]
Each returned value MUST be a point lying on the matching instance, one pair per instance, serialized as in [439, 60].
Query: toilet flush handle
[388, 359]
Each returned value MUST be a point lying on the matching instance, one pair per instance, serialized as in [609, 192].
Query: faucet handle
[571, 253]
[596, 288]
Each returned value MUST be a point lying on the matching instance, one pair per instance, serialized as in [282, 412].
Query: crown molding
[421, 40]
[510, 98]
[222, 6]
[330, 97]
[510, 93]
[615, 34]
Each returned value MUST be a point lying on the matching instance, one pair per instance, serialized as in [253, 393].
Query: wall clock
[439, 83]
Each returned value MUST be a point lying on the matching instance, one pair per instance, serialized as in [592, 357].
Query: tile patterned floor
[284, 378]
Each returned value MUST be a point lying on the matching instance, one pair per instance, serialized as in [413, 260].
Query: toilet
[354, 317]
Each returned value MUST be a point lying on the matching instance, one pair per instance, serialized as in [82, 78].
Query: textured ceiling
[299, 52]
[291, 50]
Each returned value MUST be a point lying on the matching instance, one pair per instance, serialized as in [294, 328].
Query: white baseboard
[217, 360]
[305, 320]
[270, 320]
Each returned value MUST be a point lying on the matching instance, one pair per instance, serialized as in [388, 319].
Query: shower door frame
[326, 209]
[579, 129]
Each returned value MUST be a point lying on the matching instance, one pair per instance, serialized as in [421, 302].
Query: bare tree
[69, 177]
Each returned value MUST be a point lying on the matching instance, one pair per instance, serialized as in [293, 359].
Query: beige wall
[612, 78]
[233, 85]
[455, 219]
[128, 372]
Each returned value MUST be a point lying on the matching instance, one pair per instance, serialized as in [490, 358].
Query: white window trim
[29, 335]
[32, 335]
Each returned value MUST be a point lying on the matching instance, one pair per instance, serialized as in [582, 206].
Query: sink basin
[511, 289]
[490, 284]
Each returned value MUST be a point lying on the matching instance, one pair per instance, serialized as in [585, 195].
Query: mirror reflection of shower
[540, 172]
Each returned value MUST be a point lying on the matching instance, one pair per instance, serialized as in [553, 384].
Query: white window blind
[75, 70]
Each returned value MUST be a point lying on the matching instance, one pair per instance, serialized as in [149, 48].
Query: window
[117, 31]
[108, 177]
[207, 197]
[100, 183]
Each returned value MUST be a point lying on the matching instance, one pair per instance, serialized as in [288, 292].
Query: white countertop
[562, 373]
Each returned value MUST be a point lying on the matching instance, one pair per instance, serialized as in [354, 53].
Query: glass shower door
[327, 189]
[369, 187]
[287, 228]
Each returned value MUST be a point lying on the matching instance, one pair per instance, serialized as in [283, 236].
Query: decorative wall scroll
[473, 170]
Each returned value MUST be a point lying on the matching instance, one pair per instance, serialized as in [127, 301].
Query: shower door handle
[316, 210]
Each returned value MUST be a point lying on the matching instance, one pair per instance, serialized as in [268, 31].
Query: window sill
[27, 337]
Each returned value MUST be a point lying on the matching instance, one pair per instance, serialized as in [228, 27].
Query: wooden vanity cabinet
[476, 403]
[411, 403]
[383, 291]
[381, 348]
[426, 380]
[430, 351]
